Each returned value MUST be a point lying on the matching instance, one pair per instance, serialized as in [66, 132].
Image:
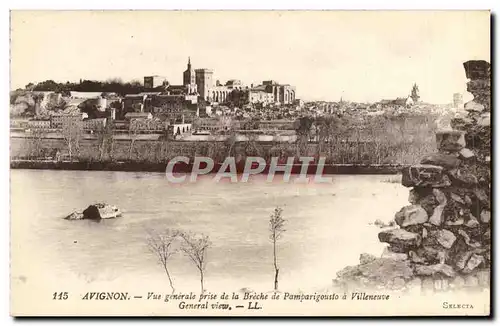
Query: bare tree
[276, 227]
[72, 129]
[134, 128]
[195, 247]
[105, 139]
[35, 143]
[163, 246]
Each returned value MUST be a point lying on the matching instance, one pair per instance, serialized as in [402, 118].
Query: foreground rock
[379, 272]
[444, 237]
[95, 212]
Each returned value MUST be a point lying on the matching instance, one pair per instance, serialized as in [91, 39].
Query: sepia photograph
[250, 163]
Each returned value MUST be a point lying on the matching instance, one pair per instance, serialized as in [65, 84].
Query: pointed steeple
[189, 74]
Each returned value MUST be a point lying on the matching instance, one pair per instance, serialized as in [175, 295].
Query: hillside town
[202, 106]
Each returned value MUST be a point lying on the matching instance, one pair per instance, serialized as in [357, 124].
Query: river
[327, 227]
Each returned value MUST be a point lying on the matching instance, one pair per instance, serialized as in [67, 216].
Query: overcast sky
[361, 56]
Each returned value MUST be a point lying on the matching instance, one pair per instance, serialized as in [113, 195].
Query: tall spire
[189, 62]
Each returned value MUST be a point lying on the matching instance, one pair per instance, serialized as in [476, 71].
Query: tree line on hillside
[110, 86]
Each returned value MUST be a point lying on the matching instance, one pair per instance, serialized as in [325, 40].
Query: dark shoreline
[187, 168]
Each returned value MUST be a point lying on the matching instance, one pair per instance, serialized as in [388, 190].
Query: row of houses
[58, 122]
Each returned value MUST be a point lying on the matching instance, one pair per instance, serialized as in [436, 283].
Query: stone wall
[443, 237]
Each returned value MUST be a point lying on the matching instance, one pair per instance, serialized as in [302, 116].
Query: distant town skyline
[359, 56]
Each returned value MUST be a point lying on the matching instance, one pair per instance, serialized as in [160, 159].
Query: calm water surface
[327, 226]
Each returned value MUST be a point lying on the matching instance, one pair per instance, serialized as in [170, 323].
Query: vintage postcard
[250, 163]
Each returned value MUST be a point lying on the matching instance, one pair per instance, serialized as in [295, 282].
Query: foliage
[109, 86]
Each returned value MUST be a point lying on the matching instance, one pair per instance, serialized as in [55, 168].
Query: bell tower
[415, 93]
[189, 79]
[189, 75]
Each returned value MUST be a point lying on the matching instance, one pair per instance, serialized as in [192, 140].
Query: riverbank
[187, 168]
[336, 152]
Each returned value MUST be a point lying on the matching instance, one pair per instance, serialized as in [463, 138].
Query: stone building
[39, 124]
[283, 93]
[94, 124]
[260, 95]
[155, 81]
[59, 119]
[179, 129]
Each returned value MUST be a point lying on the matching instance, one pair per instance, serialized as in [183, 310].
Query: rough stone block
[478, 87]
[487, 236]
[379, 271]
[466, 154]
[428, 254]
[400, 237]
[445, 238]
[473, 106]
[485, 216]
[456, 222]
[434, 270]
[450, 140]
[462, 258]
[468, 240]
[482, 196]
[447, 161]
[366, 258]
[424, 233]
[472, 222]
[474, 261]
[456, 198]
[415, 258]
[389, 254]
[484, 120]
[413, 197]
[462, 177]
[425, 175]
[477, 69]
[428, 202]
[411, 215]
[437, 216]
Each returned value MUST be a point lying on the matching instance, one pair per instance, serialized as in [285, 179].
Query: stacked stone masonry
[443, 237]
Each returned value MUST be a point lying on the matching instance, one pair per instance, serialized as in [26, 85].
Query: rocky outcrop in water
[95, 212]
[443, 238]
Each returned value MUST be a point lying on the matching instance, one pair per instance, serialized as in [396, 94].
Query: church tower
[189, 75]
[415, 94]
[189, 78]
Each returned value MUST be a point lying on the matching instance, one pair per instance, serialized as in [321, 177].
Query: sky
[361, 56]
